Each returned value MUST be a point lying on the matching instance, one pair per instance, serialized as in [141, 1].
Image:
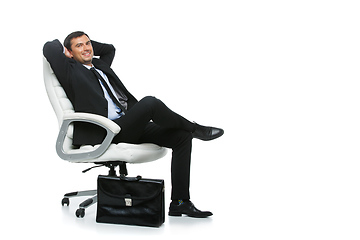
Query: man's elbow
[113, 49]
[46, 49]
[51, 46]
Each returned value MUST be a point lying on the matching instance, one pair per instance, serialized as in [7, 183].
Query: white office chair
[105, 154]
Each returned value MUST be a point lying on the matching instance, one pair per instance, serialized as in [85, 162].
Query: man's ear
[68, 53]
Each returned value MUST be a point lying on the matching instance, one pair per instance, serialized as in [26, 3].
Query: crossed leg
[168, 129]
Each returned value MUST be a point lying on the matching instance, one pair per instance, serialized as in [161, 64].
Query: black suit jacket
[83, 88]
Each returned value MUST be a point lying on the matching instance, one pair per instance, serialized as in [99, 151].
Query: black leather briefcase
[131, 201]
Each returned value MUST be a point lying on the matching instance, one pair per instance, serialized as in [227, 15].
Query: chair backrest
[57, 96]
[59, 101]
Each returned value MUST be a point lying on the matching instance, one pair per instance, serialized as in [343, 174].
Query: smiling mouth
[86, 54]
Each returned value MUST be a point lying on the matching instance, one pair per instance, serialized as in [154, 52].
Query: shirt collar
[88, 67]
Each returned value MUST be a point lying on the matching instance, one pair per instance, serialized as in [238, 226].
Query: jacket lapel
[114, 80]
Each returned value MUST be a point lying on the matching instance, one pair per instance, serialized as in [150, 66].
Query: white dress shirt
[114, 111]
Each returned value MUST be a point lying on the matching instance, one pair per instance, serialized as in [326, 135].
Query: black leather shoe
[188, 208]
[206, 133]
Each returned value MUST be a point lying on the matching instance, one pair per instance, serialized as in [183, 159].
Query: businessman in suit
[93, 87]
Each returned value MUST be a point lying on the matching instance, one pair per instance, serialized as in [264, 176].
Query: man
[93, 87]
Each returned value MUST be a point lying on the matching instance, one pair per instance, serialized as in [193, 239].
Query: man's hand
[67, 53]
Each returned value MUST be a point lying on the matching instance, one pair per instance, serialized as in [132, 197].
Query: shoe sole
[175, 214]
[211, 138]
[172, 214]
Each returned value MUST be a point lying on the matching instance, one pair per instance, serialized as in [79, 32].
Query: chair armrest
[111, 130]
[94, 118]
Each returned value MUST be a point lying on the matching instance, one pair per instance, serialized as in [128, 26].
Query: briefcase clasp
[128, 202]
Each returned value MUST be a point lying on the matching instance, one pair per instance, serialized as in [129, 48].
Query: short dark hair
[67, 41]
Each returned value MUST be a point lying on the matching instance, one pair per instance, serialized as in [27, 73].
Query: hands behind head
[67, 53]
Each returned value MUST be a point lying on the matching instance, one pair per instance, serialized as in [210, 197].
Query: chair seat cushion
[130, 153]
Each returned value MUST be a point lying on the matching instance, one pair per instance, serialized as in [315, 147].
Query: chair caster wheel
[65, 201]
[80, 213]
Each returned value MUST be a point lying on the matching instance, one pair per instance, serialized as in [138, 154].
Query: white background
[281, 78]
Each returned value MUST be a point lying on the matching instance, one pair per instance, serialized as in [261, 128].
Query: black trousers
[167, 129]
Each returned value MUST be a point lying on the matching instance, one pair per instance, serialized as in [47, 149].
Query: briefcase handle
[130, 179]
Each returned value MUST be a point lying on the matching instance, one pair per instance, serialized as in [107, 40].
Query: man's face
[81, 50]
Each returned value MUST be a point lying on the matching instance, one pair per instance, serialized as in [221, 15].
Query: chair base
[80, 212]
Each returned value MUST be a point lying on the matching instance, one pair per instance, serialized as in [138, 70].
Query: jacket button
[106, 109]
